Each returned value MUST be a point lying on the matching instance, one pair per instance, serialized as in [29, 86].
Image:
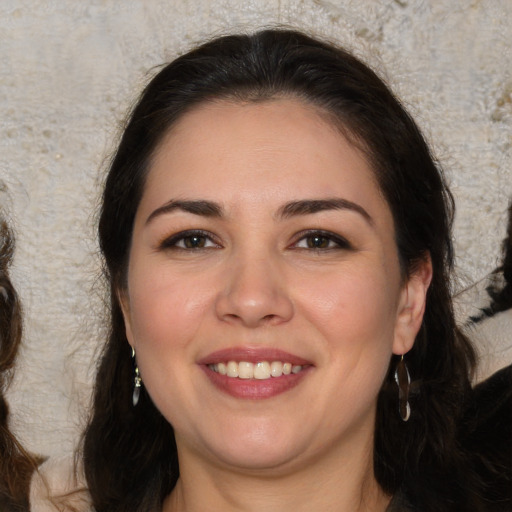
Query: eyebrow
[201, 207]
[206, 208]
[310, 206]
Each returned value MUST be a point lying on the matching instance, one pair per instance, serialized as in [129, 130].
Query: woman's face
[262, 243]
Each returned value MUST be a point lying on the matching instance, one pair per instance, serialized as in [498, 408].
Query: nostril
[254, 299]
[231, 316]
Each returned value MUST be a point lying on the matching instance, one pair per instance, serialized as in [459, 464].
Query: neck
[330, 483]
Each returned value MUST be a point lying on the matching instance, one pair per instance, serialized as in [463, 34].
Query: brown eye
[317, 242]
[194, 242]
[321, 241]
[190, 240]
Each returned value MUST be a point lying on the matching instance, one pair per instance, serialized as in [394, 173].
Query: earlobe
[412, 306]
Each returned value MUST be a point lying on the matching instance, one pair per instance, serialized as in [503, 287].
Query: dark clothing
[488, 436]
[399, 504]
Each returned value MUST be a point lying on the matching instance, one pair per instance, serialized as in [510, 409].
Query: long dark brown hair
[16, 465]
[501, 294]
[130, 453]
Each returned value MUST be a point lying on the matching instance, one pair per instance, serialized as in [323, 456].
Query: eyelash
[173, 241]
[334, 242]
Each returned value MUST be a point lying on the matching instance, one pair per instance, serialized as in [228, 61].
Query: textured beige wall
[70, 68]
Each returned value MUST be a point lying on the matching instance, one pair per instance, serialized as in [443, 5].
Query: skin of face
[252, 273]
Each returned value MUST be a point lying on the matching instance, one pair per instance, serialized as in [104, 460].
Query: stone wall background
[70, 69]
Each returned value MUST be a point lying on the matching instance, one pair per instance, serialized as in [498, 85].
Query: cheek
[166, 315]
[355, 305]
[166, 310]
[355, 313]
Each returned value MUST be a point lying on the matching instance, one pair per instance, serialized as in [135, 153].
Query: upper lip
[252, 355]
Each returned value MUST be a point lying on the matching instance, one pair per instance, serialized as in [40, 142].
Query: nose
[254, 293]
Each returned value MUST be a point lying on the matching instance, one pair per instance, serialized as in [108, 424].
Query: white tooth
[245, 370]
[232, 369]
[276, 369]
[221, 368]
[287, 368]
[262, 370]
[296, 369]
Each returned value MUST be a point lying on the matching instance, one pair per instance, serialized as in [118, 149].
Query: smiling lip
[252, 355]
[254, 389]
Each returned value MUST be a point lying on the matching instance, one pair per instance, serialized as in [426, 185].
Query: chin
[258, 448]
[261, 460]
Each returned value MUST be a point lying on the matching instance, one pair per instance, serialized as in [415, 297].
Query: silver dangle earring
[137, 382]
[403, 381]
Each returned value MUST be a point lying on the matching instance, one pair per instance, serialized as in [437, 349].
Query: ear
[124, 304]
[411, 306]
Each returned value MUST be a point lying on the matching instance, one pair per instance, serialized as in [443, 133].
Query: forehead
[252, 152]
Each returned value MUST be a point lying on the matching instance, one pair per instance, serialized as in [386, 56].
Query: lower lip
[255, 389]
